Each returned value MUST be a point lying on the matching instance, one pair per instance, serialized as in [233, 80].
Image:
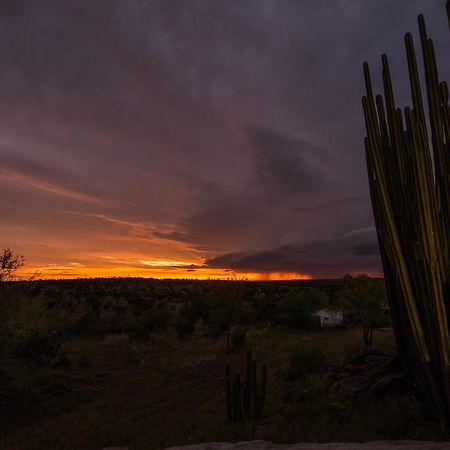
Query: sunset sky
[194, 138]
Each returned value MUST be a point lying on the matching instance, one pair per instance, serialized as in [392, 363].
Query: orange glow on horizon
[274, 276]
[73, 271]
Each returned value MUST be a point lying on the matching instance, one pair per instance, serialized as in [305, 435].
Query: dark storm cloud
[286, 165]
[326, 258]
[214, 128]
[365, 249]
[282, 168]
[336, 203]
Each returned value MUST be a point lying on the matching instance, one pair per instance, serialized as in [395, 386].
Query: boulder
[366, 370]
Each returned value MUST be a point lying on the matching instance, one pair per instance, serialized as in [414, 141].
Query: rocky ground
[264, 445]
[366, 370]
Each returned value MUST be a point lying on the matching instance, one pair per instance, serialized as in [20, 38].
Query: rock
[11, 368]
[57, 389]
[351, 386]
[114, 448]
[337, 407]
[265, 431]
[6, 397]
[132, 355]
[373, 360]
[386, 381]
[295, 395]
[268, 428]
[367, 369]
[393, 363]
[102, 374]
[348, 371]
[60, 362]
[362, 353]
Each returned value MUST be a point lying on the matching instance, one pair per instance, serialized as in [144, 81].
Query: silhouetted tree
[364, 299]
[10, 263]
[297, 308]
[225, 300]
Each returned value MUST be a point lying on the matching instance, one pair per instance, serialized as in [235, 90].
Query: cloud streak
[46, 186]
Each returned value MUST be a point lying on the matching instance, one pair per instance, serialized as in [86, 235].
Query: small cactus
[246, 400]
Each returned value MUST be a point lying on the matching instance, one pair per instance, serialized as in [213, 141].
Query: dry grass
[168, 391]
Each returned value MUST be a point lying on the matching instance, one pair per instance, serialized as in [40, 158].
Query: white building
[330, 317]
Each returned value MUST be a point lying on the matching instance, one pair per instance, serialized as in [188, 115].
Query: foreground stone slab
[264, 445]
[114, 448]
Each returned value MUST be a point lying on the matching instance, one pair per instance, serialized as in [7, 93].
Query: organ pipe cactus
[408, 163]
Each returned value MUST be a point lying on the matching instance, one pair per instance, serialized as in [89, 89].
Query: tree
[364, 300]
[10, 263]
[297, 308]
[225, 305]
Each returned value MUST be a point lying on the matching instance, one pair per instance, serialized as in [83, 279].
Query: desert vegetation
[96, 362]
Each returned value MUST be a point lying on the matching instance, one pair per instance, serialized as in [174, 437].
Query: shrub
[194, 310]
[158, 317]
[297, 308]
[184, 327]
[238, 338]
[215, 329]
[190, 312]
[265, 309]
[29, 329]
[155, 319]
[224, 302]
[93, 301]
[88, 324]
[36, 345]
[363, 300]
[305, 361]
